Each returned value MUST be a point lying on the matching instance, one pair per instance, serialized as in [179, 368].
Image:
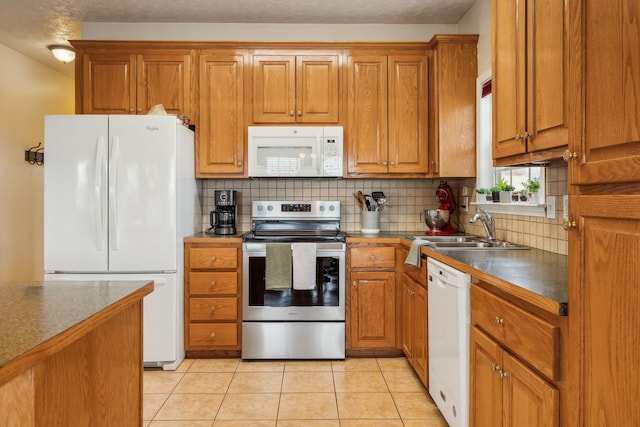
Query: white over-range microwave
[295, 151]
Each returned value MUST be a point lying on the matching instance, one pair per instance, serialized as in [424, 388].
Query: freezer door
[142, 193]
[75, 193]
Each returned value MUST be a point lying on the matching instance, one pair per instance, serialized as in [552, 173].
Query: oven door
[324, 303]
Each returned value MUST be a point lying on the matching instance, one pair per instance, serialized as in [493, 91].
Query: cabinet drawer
[531, 338]
[377, 257]
[211, 258]
[212, 309]
[213, 335]
[214, 283]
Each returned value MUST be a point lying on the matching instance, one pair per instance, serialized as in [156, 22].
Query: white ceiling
[29, 26]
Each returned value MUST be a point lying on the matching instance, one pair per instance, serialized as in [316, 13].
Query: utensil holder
[370, 222]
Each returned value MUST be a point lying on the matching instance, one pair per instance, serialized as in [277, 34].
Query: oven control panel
[271, 209]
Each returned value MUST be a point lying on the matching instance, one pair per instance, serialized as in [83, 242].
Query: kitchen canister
[370, 222]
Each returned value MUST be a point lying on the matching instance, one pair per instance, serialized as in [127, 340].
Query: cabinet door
[164, 79]
[420, 333]
[367, 143]
[508, 84]
[548, 74]
[220, 141]
[485, 386]
[317, 89]
[406, 302]
[407, 114]
[109, 84]
[373, 309]
[274, 89]
[608, 140]
[528, 400]
[603, 279]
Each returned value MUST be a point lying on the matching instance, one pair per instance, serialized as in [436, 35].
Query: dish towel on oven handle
[304, 265]
[278, 267]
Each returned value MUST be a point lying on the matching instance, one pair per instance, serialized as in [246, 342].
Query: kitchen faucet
[487, 221]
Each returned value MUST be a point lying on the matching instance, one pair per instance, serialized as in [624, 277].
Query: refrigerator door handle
[97, 192]
[113, 209]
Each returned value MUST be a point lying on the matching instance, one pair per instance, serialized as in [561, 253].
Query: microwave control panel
[332, 151]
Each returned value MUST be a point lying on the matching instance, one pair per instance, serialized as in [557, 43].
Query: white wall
[478, 21]
[263, 32]
[29, 91]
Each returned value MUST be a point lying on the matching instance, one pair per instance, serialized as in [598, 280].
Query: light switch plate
[551, 207]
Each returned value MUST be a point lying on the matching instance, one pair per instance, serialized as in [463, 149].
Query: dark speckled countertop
[33, 312]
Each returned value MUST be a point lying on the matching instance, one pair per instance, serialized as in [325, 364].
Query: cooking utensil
[361, 200]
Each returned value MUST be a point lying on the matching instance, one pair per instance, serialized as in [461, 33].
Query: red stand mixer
[438, 219]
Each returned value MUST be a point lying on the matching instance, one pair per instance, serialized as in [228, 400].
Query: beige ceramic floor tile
[151, 403]
[204, 382]
[426, 423]
[184, 365]
[366, 406]
[244, 423]
[307, 406]
[181, 423]
[261, 366]
[361, 382]
[214, 365]
[394, 364]
[403, 381]
[190, 407]
[416, 406]
[243, 406]
[355, 364]
[303, 381]
[307, 365]
[308, 423]
[256, 382]
[371, 423]
[160, 381]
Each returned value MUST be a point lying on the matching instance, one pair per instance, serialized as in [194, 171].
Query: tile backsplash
[407, 198]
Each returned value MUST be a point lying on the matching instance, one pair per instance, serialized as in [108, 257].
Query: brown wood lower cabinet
[414, 326]
[513, 359]
[212, 298]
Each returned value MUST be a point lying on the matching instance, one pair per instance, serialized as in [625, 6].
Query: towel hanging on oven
[278, 266]
[304, 265]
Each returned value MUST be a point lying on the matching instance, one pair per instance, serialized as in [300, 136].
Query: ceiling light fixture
[63, 53]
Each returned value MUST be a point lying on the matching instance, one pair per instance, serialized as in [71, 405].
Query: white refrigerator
[119, 196]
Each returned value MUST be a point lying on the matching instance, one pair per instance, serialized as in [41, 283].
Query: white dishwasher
[449, 319]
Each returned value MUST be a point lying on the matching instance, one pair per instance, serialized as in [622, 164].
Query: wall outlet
[565, 206]
[551, 207]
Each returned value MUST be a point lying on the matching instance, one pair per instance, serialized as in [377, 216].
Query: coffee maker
[223, 218]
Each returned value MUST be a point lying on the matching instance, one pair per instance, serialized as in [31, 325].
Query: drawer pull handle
[213, 283]
[213, 307]
[213, 334]
[213, 257]
[498, 321]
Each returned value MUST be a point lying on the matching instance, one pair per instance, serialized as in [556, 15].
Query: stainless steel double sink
[466, 242]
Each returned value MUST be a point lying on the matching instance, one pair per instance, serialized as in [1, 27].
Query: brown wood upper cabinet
[296, 88]
[133, 82]
[607, 145]
[530, 82]
[221, 128]
[386, 113]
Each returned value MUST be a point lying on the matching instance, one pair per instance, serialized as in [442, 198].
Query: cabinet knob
[213, 283]
[526, 135]
[139, 109]
[373, 258]
[213, 257]
[291, 113]
[239, 163]
[393, 163]
[498, 321]
[299, 112]
[568, 155]
[502, 374]
[567, 224]
[213, 308]
[131, 110]
[354, 284]
[384, 163]
[213, 334]
[494, 367]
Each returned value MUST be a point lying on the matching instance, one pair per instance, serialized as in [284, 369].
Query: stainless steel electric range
[294, 281]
